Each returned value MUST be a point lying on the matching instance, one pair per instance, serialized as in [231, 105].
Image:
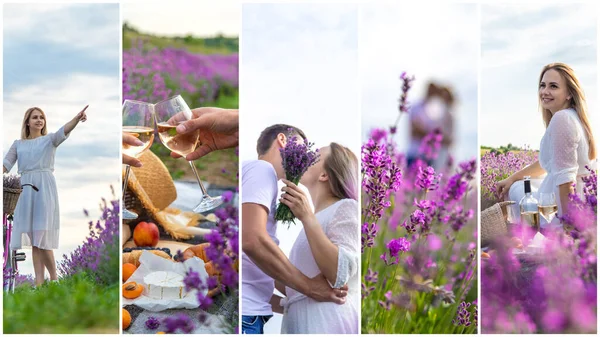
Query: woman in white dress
[328, 243]
[567, 145]
[36, 217]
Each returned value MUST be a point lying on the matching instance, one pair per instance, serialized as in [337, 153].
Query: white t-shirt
[259, 186]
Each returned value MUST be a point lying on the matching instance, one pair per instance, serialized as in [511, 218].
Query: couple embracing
[320, 278]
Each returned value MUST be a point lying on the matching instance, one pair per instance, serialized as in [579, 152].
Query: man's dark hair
[270, 134]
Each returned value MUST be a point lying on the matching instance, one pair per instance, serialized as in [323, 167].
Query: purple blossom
[462, 315]
[378, 134]
[406, 85]
[152, 323]
[395, 247]
[426, 179]
[296, 158]
[191, 280]
[179, 322]
[227, 196]
[369, 232]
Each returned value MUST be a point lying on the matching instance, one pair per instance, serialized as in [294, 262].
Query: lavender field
[551, 292]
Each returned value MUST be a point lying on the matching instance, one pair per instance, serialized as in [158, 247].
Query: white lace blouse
[564, 152]
[340, 222]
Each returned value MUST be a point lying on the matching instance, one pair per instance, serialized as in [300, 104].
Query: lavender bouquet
[296, 159]
[11, 181]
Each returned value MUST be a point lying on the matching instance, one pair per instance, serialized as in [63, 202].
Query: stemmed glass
[168, 114]
[138, 121]
[547, 206]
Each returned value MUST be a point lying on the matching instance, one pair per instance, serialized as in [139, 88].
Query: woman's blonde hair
[25, 128]
[577, 102]
[342, 168]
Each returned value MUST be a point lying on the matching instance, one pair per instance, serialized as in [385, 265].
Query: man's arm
[267, 256]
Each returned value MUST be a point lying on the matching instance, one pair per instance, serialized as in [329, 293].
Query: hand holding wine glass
[138, 136]
[218, 129]
[170, 114]
[129, 140]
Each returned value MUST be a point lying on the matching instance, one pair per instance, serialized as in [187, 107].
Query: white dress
[36, 218]
[563, 155]
[303, 314]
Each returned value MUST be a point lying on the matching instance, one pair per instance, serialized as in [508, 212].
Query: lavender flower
[426, 179]
[296, 159]
[395, 247]
[369, 232]
[380, 177]
[462, 315]
[191, 280]
[152, 323]
[406, 85]
[179, 322]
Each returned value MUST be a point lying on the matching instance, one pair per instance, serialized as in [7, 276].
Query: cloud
[90, 28]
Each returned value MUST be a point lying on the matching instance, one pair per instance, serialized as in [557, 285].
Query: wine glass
[547, 206]
[170, 113]
[138, 121]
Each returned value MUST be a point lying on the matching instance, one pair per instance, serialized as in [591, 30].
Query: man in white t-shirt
[262, 259]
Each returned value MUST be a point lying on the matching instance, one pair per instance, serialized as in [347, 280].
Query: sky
[430, 43]
[299, 66]
[516, 42]
[177, 18]
[61, 58]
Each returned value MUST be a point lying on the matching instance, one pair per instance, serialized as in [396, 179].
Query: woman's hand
[81, 116]
[129, 140]
[503, 186]
[296, 200]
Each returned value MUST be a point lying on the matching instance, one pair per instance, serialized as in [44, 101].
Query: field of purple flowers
[419, 234]
[496, 166]
[552, 292]
[86, 298]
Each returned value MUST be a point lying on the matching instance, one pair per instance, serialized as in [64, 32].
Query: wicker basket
[493, 222]
[11, 196]
[152, 183]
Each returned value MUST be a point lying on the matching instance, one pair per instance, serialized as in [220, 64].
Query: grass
[210, 45]
[72, 305]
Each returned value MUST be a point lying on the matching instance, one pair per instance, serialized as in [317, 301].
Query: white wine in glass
[169, 114]
[138, 121]
[144, 134]
[547, 206]
[182, 144]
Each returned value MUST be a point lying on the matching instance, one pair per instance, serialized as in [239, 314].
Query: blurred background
[438, 45]
[299, 67]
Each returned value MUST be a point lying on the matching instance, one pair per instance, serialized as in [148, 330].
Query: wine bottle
[529, 208]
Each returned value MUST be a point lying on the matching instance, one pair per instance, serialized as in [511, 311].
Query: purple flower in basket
[296, 158]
